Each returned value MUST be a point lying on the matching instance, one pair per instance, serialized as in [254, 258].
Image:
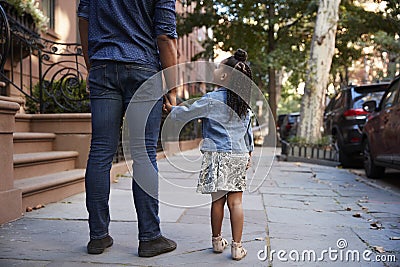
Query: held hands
[167, 106]
[249, 162]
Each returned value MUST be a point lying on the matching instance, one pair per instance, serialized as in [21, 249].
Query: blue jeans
[112, 85]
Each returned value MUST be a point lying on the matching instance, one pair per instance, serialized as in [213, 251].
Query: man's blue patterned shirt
[127, 30]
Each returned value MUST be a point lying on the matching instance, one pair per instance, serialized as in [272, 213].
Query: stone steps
[25, 142]
[52, 187]
[28, 165]
[42, 174]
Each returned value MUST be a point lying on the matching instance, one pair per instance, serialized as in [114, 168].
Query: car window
[390, 97]
[293, 118]
[360, 98]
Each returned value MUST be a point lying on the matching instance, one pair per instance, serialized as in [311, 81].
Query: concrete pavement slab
[302, 202]
[305, 205]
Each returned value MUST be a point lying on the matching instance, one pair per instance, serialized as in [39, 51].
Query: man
[124, 42]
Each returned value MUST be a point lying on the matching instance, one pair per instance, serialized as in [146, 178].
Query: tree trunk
[322, 50]
[272, 99]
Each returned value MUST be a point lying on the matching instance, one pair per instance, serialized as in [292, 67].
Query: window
[48, 10]
[389, 98]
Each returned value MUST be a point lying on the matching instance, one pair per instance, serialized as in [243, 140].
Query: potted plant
[26, 22]
[27, 13]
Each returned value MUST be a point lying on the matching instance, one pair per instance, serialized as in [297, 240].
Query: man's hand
[168, 57]
[83, 32]
[167, 106]
[87, 84]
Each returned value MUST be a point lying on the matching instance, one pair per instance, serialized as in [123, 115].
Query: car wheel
[344, 159]
[371, 170]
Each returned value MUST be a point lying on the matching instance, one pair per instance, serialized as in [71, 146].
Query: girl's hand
[249, 162]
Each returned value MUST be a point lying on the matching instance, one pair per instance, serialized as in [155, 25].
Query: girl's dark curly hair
[238, 82]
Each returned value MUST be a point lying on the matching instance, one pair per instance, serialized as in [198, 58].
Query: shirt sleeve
[249, 139]
[199, 109]
[165, 18]
[83, 9]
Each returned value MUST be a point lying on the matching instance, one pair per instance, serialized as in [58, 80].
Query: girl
[227, 146]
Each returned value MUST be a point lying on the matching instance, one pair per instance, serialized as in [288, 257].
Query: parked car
[345, 117]
[288, 128]
[381, 133]
[279, 121]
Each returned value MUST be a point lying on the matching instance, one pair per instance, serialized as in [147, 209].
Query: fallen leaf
[298, 164]
[29, 209]
[259, 239]
[39, 206]
[364, 209]
[376, 226]
[348, 209]
[357, 215]
[395, 238]
[379, 249]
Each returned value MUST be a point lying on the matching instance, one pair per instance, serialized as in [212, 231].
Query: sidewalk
[297, 207]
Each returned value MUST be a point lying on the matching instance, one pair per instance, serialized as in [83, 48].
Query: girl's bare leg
[236, 211]
[217, 212]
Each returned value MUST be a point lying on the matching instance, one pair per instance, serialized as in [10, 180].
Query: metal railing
[319, 152]
[49, 74]
[4, 38]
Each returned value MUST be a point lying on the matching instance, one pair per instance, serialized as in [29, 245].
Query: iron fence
[319, 152]
[49, 74]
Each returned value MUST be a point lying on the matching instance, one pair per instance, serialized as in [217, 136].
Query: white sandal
[238, 251]
[219, 244]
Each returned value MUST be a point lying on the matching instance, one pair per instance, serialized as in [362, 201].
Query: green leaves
[277, 33]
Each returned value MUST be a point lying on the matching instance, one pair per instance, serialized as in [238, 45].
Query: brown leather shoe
[156, 247]
[97, 246]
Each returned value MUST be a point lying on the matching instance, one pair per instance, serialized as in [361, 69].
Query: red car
[381, 133]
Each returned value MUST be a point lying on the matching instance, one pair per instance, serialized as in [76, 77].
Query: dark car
[381, 133]
[345, 117]
[279, 121]
[288, 128]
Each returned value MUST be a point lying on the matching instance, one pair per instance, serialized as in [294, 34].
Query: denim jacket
[222, 129]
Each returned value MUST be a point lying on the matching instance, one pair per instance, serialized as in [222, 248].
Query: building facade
[23, 75]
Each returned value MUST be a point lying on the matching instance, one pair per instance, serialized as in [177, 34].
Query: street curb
[308, 160]
[362, 178]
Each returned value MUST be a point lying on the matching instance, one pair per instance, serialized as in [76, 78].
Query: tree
[278, 33]
[273, 32]
[322, 51]
[358, 28]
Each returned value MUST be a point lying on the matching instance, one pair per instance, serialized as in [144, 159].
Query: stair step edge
[27, 136]
[43, 156]
[37, 183]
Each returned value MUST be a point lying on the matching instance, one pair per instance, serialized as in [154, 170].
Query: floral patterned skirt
[222, 171]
